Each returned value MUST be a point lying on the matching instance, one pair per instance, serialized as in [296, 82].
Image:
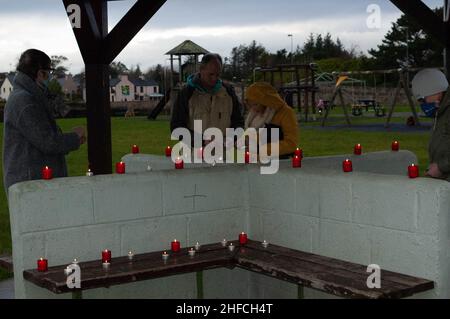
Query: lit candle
[175, 245]
[135, 149]
[247, 157]
[243, 238]
[200, 153]
[75, 261]
[120, 168]
[106, 256]
[42, 264]
[89, 173]
[168, 151]
[130, 255]
[197, 246]
[149, 168]
[179, 164]
[413, 171]
[191, 252]
[358, 149]
[265, 243]
[47, 173]
[224, 242]
[296, 161]
[347, 166]
[165, 256]
[298, 152]
[231, 247]
[395, 146]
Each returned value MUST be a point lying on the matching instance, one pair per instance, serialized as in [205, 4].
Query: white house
[6, 86]
[124, 89]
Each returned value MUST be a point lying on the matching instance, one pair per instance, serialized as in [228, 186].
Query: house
[68, 85]
[124, 89]
[145, 89]
[6, 86]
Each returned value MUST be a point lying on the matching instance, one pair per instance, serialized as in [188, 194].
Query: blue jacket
[31, 138]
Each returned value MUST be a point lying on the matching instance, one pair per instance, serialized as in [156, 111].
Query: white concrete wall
[390, 220]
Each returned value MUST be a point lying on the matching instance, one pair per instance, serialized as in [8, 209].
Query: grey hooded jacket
[31, 137]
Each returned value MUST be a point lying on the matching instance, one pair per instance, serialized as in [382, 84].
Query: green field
[153, 136]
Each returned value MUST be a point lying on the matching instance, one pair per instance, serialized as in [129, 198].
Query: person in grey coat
[31, 137]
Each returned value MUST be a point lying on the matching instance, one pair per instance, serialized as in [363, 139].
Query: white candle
[224, 242]
[231, 247]
[165, 256]
[89, 173]
[191, 252]
[130, 255]
[75, 261]
[265, 243]
[197, 246]
[106, 265]
[149, 168]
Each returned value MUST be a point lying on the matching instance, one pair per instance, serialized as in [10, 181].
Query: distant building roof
[10, 77]
[113, 82]
[140, 82]
[186, 48]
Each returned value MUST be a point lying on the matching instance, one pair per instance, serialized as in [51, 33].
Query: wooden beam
[88, 35]
[129, 26]
[424, 16]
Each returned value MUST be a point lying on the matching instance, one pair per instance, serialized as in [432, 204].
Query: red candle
[296, 162]
[200, 153]
[47, 173]
[175, 245]
[42, 264]
[179, 164]
[106, 256]
[298, 152]
[135, 149]
[247, 157]
[413, 171]
[358, 149]
[168, 151]
[347, 166]
[395, 146]
[243, 238]
[120, 168]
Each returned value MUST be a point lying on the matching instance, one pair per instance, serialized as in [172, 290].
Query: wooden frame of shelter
[99, 49]
[303, 85]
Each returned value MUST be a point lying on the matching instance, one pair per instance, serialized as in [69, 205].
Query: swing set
[360, 103]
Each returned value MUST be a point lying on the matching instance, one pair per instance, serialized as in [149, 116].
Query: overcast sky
[216, 25]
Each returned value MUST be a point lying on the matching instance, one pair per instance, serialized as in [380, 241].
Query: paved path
[7, 289]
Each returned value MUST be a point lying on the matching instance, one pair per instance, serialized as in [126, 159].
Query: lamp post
[292, 53]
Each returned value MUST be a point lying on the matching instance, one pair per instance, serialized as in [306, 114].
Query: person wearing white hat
[429, 87]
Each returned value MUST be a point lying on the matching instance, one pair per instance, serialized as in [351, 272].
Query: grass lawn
[153, 136]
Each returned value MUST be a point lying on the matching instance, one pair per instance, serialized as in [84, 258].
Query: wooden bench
[6, 263]
[333, 276]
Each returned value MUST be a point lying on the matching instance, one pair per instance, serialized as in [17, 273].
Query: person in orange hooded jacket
[267, 109]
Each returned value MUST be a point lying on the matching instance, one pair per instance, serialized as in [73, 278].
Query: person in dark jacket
[429, 87]
[207, 98]
[31, 137]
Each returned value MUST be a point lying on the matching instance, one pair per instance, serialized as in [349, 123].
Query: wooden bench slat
[321, 277]
[341, 264]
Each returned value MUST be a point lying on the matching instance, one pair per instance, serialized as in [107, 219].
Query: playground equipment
[402, 84]
[304, 87]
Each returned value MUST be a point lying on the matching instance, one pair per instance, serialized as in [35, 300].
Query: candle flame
[46, 167]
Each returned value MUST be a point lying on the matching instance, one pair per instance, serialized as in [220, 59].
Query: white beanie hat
[429, 82]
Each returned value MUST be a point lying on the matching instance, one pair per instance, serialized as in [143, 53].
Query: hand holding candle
[47, 173]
